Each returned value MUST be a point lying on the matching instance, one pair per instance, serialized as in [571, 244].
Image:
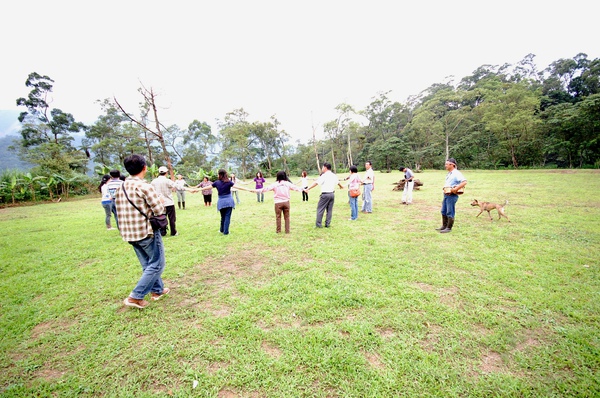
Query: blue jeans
[107, 210]
[114, 212]
[448, 205]
[353, 207]
[151, 253]
[225, 219]
[367, 201]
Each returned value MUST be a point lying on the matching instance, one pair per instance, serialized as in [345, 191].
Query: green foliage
[47, 133]
[506, 116]
[17, 186]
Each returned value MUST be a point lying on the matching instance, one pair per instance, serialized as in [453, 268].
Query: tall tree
[237, 141]
[47, 134]
[510, 114]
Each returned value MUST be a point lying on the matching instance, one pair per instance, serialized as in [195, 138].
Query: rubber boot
[179, 205]
[449, 226]
[444, 223]
[183, 205]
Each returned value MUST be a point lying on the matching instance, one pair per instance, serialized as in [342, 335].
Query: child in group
[281, 190]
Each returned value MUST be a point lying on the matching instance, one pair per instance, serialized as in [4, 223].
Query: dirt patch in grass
[271, 350]
[386, 333]
[374, 360]
[214, 367]
[425, 287]
[491, 363]
[51, 327]
[432, 338]
[228, 393]
[47, 373]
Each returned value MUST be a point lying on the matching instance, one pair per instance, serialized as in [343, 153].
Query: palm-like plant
[29, 180]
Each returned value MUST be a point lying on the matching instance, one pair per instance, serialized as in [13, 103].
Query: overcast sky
[294, 59]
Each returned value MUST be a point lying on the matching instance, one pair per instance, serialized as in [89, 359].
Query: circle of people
[135, 202]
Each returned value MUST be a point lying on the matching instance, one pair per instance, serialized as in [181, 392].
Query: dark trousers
[172, 219]
[225, 219]
[304, 196]
[325, 204]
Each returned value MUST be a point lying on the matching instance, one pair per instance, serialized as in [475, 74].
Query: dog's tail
[504, 205]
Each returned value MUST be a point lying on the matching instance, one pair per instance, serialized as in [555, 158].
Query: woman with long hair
[281, 189]
[225, 202]
[106, 201]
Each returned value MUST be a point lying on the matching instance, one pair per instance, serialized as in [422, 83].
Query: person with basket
[453, 186]
[354, 184]
[137, 203]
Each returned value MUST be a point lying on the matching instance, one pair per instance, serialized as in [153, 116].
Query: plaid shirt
[133, 225]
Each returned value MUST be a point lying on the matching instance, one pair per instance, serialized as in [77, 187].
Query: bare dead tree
[149, 106]
[315, 147]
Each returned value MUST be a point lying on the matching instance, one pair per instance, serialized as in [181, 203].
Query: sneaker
[137, 303]
[156, 296]
[176, 234]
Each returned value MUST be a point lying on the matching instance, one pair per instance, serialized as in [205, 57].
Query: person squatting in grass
[281, 189]
[137, 231]
[409, 184]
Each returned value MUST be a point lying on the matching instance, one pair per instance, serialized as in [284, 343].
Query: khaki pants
[284, 208]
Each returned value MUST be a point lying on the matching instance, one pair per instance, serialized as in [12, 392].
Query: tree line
[500, 116]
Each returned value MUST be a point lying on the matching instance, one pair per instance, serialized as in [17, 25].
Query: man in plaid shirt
[137, 231]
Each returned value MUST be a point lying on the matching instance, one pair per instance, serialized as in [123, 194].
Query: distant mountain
[9, 159]
[9, 123]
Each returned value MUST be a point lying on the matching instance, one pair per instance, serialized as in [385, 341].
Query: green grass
[384, 306]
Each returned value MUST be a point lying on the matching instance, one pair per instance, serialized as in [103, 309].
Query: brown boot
[444, 223]
[449, 226]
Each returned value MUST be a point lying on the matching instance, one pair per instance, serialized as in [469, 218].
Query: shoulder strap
[138, 209]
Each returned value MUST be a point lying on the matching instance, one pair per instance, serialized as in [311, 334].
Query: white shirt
[328, 181]
[369, 176]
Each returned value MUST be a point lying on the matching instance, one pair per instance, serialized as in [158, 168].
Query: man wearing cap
[164, 188]
[454, 181]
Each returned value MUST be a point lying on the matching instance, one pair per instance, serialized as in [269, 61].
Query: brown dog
[488, 206]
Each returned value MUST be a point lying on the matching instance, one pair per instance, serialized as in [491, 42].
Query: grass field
[381, 307]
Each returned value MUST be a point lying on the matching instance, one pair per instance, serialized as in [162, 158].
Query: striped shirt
[133, 225]
[164, 187]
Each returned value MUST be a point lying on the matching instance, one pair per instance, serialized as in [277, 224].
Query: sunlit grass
[384, 306]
